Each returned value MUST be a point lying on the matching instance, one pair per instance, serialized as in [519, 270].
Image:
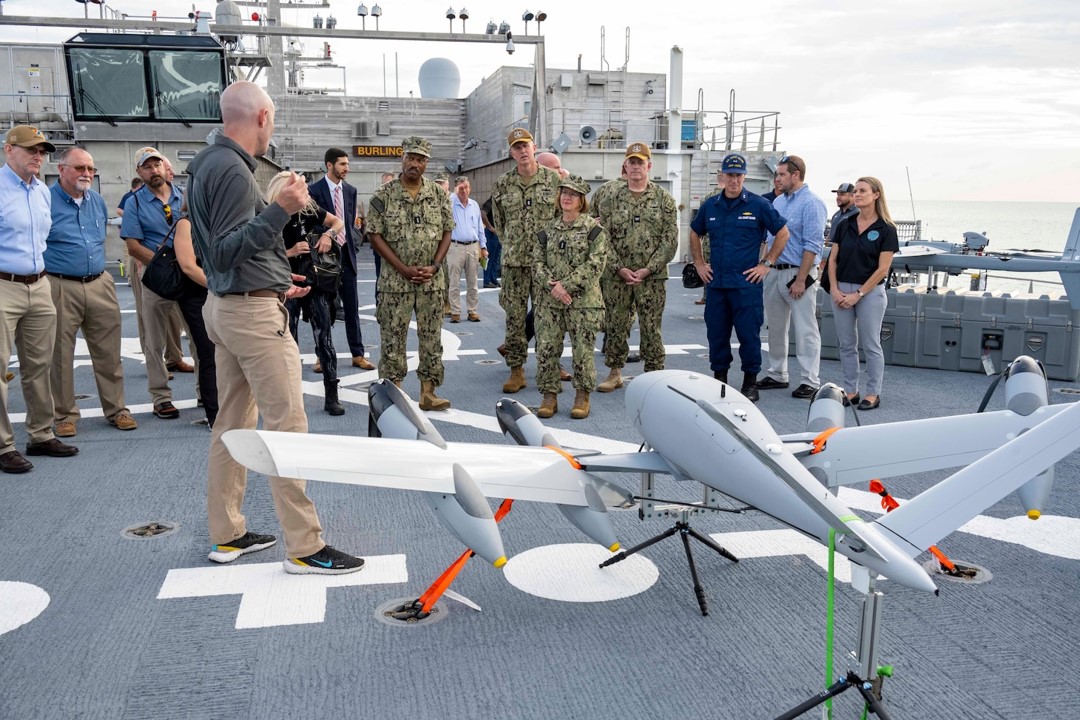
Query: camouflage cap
[518, 135]
[639, 150]
[27, 136]
[575, 183]
[416, 145]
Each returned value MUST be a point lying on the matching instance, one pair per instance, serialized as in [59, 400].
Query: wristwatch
[332, 233]
[860, 292]
[768, 263]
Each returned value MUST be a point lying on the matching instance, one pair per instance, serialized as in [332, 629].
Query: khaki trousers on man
[258, 372]
[27, 321]
[463, 257]
[93, 308]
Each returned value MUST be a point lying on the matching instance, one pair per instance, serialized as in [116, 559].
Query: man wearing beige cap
[148, 218]
[642, 222]
[523, 201]
[27, 315]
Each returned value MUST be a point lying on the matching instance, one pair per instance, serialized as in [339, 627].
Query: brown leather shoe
[455, 318]
[502, 349]
[52, 448]
[123, 421]
[473, 317]
[317, 367]
[563, 375]
[180, 366]
[13, 462]
[65, 429]
[363, 363]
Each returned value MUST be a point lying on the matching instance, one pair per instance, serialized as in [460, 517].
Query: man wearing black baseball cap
[845, 201]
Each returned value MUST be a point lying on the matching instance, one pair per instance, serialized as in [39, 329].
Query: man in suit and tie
[336, 196]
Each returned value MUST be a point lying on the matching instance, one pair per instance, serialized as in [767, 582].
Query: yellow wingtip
[1034, 514]
[614, 548]
[500, 562]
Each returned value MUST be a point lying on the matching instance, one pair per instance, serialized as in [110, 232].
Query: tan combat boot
[428, 399]
[613, 382]
[581, 406]
[549, 406]
[516, 381]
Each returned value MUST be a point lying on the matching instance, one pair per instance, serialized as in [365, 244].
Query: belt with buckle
[466, 242]
[77, 278]
[279, 296]
[783, 266]
[24, 279]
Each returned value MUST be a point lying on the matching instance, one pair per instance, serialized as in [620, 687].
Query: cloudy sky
[978, 100]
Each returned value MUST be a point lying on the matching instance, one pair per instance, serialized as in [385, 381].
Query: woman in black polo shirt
[863, 249]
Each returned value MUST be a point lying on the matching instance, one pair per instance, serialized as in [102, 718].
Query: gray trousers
[861, 324]
[782, 311]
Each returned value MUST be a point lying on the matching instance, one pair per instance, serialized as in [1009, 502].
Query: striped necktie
[339, 211]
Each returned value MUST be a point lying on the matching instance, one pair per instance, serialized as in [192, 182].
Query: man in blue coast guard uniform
[735, 221]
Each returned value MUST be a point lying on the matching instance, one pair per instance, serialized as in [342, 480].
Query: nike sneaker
[327, 561]
[249, 542]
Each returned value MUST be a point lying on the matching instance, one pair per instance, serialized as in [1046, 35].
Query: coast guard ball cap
[416, 145]
[639, 150]
[145, 153]
[27, 136]
[845, 188]
[575, 183]
[733, 163]
[518, 135]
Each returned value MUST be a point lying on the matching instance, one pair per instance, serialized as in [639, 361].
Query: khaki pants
[93, 308]
[258, 372]
[173, 351]
[463, 257]
[27, 320]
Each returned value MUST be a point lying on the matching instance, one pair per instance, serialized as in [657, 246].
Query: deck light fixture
[491, 28]
[541, 16]
[464, 15]
[363, 13]
[450, 15]
[376, 12]
[527, 16]
[504, 27]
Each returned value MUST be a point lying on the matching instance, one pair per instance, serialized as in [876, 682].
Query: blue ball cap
[734, 163]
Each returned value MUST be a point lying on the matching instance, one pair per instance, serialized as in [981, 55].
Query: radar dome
[439, 78]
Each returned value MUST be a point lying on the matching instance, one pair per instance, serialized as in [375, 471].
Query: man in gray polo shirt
[238, 238]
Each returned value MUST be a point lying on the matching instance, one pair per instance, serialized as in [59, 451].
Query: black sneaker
[768, 383]
[249, 542]
[803, 392]
[327, 561]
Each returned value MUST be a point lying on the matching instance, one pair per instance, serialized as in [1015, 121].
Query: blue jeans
[494, 264]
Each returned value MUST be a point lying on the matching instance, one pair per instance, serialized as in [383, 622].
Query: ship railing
[51, 113]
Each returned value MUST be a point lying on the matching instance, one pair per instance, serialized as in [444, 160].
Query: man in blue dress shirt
[27, 315]
[84, 295]
[736, 221]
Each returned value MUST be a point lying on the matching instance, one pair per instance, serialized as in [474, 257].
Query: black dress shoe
[13, 462]
[853, 400]
[633, 357]
[803, 392]
[868, 405]
[750, 392]
[52, 448]
[768, 383]
[720, 375]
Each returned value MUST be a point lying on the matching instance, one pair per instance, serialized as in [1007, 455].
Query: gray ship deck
[148, 627]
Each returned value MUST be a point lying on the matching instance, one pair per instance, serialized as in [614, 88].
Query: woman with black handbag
[314, 256]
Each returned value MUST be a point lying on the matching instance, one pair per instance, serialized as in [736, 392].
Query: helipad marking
[779, 543]
[19, 604]
[269, 596]
[571, 573]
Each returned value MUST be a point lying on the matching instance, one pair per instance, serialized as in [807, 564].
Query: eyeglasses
[83, 168]
[168, 214]
[794, 162]
[36, 150]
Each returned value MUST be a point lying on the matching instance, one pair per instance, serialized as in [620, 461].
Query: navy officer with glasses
[735, 221]
[148, 218]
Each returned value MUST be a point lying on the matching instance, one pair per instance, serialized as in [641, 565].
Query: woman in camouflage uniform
[570, 257]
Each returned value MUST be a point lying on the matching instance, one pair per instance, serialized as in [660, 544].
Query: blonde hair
[880, 206]
[278, 182]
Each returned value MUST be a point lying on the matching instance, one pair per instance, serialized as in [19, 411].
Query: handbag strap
[165, 240]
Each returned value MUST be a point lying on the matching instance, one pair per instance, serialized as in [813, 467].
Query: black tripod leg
[639, 547]
[706, 540]
[875, 705]
[698, 590]
[833, 690]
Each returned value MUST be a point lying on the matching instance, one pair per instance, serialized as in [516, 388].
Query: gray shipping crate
[939, 330]
[1004, 327]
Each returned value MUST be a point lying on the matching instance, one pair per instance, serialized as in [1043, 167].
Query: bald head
[552, 161]
[247, 113]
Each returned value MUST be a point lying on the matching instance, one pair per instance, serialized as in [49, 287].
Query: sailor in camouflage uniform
[523, 201]
[643, 229]
[409, 225]
[570, 257]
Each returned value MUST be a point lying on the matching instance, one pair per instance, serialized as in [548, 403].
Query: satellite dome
[439, 78]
